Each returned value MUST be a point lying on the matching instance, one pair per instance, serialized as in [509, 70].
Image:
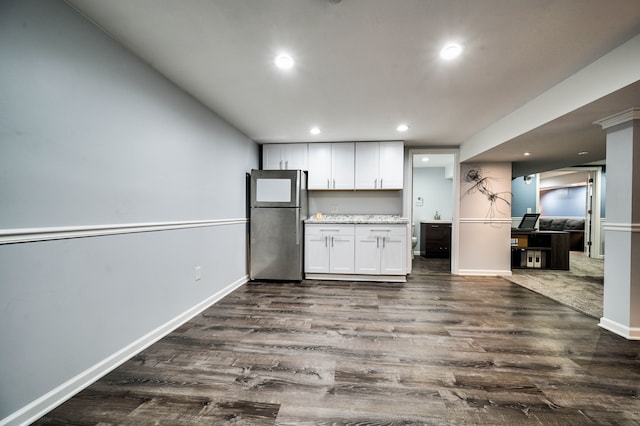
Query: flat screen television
[529, 221]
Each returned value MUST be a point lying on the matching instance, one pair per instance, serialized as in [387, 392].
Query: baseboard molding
[348, 277]
[60, 394]
[629, 333]
[483, 272]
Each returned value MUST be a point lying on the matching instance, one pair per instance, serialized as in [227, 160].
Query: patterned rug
[580, 288]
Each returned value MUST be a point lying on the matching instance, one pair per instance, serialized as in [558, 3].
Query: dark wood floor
[439, 349]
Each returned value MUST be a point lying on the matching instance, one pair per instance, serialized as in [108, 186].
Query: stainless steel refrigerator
[278, 208]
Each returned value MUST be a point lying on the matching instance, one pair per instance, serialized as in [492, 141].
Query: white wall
[93, 138]
[485, 227]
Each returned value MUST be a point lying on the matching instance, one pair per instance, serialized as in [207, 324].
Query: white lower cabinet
[355, 251]
[381, 249]
[329, 249]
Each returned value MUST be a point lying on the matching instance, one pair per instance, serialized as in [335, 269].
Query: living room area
[572, 201]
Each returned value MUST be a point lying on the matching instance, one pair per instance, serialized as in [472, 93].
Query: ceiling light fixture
[583, 152]
[284, 62]
[315, 131]
[526, 154]
[450, 51]
[402, 128]
[425, 159]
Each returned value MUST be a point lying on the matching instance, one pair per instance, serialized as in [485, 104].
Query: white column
[622, 230]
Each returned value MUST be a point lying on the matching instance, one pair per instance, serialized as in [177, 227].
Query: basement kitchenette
[356, 247]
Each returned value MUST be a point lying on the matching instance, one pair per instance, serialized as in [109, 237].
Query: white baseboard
[629, 333]
[484, 272]
[47, 402]
[358, 277]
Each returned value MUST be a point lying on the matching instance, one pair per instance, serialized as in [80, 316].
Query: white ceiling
[364, 66]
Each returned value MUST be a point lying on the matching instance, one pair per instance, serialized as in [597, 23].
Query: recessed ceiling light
[526, 154]
[583, 152]
[450, 51]
[284, 62]
[315, 131]
[402, 128]
[425, 159]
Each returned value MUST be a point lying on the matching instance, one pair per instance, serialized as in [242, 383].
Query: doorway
[431, 204]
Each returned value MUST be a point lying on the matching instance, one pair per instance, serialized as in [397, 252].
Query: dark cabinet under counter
[435, 239]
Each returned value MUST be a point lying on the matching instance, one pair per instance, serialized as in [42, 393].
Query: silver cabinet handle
[375, 183]
[326, 241]
[286, 165]
[377, 242]
[331, 241]
[334, 184]
[328, 186]
[380, 183]
[384, 240]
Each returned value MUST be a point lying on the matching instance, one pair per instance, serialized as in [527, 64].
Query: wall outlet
[198, 273]
[334, 208]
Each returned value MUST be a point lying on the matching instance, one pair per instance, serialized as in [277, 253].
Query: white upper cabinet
[284, 156]
[331, 165]
[379, 165]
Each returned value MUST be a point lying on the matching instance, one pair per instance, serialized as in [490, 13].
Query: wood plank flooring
[437, 350]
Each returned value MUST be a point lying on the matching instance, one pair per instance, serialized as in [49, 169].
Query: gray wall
[436, 191]
[90, 135]
[355, 202]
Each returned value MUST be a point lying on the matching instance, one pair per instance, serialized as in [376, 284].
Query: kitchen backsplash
[355, 202]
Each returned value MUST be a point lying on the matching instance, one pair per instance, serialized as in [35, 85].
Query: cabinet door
[366, 165]
[319, 166]
[272, 157]
[368, 249]
[393, 260]
[391, 170]
[295, 156]
[342, 165]
[342, 254]
[316, 255]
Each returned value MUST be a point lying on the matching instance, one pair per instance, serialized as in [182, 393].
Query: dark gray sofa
[575, 228]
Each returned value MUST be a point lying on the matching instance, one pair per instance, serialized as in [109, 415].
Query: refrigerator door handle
[297, 227]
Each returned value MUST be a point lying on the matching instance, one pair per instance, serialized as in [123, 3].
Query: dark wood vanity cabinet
[435, 239]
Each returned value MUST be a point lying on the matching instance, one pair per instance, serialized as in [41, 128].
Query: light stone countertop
[384, 219]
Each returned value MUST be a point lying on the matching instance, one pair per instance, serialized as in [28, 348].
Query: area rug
[581, 288]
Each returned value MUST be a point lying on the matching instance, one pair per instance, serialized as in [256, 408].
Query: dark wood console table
[540, 249]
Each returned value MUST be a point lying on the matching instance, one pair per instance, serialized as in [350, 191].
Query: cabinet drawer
[381, 230]
[333, 229]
